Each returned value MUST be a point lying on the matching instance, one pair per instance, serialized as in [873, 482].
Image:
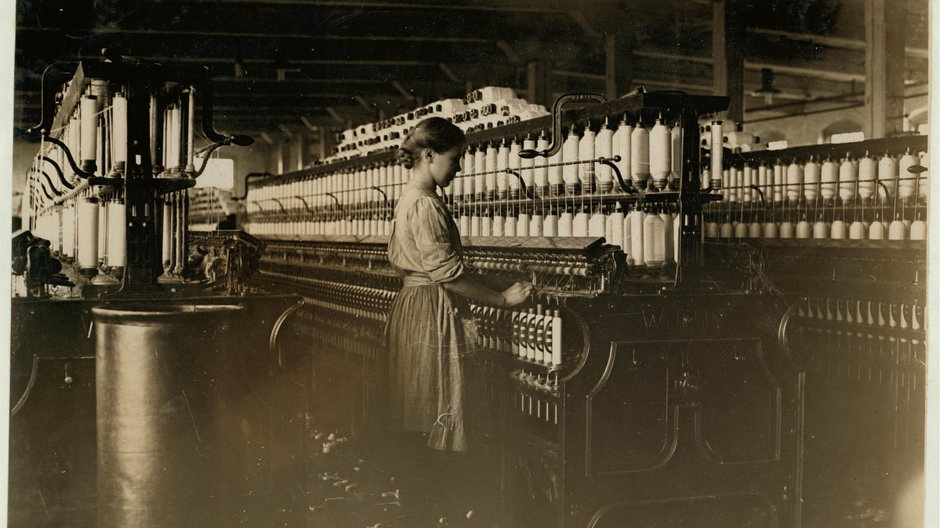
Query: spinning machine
[634, 388]
[130, 401]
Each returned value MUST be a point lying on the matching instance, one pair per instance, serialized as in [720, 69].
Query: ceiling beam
[234, 34]
[589, 30]
[833, 42]
[375, 5]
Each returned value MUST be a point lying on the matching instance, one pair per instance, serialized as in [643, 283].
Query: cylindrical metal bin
[161, 382]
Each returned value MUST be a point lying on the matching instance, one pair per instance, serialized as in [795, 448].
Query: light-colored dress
[429, 334]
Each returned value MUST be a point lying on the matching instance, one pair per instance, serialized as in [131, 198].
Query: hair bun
[405, 158]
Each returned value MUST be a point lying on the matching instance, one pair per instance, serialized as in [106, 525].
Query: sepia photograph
[471, 264]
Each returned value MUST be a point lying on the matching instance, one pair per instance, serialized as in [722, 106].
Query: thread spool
[787, 229]
[580, 223]
[740, 230]
[848, 179]
[660, 154]
[770, 230]
[755, 230]
[640, 156]
[867, 172]
[654, 241]
[469, 165]
[923, 189]
[747, 183]
[837, 231]
[615, 221]
[676, 237]
[803, 228]
[522, 224]
[627, 242]
[812, 175]
[887, 175]
[717, 154]
[479, 178]
[540, 178]
[778, 180]
[173, 133]
[475, 225]
[499, 224]
[676, 133]
[569, 173]
[907, 186]
[603, 148]
[712, 230]
[565, 221]
[794, 181]
[536, 224]
[597, 224]
[820, 230]
[556, 182]
[489, 167]
[877, 230]
[88, 236]
[523, 166]
[585, 153]
[727, 228]
[102, 232]
[857, 231]
[918, 230]
[637, 222]
[464, 228]
[897, 230]
[829, 176]
[119, 131]
[550, 225]
[486, 224]
[621, 147]
[89, 132]
[668, 237]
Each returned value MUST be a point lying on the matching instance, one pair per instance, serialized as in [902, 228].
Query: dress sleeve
[440, 257]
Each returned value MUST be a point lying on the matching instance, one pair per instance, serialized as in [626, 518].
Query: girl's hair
[436, 133]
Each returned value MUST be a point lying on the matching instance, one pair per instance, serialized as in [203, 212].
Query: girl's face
[444, 166]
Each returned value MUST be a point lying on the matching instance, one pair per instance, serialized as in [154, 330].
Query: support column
[619, 65]
[539, 83]
[728, 54]
[884, 68]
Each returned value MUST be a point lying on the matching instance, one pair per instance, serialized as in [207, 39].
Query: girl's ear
[429, 154]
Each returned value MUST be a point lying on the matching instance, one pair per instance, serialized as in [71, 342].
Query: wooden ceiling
[281, 66]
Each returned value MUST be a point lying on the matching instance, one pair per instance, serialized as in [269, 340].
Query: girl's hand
[517, 293]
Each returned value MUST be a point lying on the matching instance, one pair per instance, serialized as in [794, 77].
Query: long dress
[430, 336]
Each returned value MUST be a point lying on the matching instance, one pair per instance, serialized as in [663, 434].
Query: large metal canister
[162, 380]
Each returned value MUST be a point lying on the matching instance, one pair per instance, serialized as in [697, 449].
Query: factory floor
[357, 484]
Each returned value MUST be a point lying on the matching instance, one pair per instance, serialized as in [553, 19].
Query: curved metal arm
[279, 204]
[276, 330]
[306, 205]
[556, 121]
[249, 176]
[525, 191]
[341, 208]
[763, 199]
[29, 387]
[58, 171]
[885, 187]
[68, 156]
[55, 191]
[384, 196]
[44, 191]
[241, 141]
[610, 163]
[47, 110]
[207, 128]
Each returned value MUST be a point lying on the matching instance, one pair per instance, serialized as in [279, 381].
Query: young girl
[430, 336]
